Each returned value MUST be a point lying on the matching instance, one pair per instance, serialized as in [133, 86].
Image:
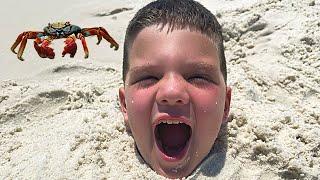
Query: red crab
[57, 30]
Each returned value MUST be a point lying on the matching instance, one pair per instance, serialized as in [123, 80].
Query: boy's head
[175, 97]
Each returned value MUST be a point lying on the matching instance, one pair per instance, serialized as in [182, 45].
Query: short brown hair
[177, 14]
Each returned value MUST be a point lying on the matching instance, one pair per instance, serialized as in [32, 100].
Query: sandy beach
[60, 119]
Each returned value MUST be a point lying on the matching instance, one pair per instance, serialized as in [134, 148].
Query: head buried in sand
[175, 96]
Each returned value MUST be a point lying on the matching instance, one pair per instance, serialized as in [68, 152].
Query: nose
[172, 91]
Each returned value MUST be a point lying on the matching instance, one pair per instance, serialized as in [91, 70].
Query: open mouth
[172, 138]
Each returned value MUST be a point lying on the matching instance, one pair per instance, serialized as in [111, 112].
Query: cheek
[209, 109]
[139, 106]
[139, 103]
[139, 109]
[210, 101]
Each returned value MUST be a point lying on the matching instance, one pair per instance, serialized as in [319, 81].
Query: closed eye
[146, 81]
[200, 80]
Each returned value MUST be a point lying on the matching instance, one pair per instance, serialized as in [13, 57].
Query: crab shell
[61, 29]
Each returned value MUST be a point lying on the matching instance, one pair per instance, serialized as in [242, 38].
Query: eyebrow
[142, 68]
[202, 66]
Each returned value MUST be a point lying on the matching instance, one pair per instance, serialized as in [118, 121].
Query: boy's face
[174, 99]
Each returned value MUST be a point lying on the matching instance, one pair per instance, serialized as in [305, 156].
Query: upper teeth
[171, 122]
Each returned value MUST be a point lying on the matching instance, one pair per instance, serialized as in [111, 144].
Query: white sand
[60, 119]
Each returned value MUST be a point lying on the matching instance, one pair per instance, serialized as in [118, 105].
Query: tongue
[174, 135]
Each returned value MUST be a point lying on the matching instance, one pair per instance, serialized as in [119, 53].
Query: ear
[227, 104]
[123, 106]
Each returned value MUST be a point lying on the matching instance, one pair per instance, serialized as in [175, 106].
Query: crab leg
[84, 44]
[22, 47]
[23, 37]
[101, 32]
[16, 43]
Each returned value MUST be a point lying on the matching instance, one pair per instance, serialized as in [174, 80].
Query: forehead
[159, 46]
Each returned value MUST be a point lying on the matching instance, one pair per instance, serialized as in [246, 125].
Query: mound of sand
[65, 122]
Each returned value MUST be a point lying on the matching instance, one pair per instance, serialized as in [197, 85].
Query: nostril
[179, 101]
[164, 101]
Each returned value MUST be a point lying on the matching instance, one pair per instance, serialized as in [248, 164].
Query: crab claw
[44, 50]
[70, 47]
